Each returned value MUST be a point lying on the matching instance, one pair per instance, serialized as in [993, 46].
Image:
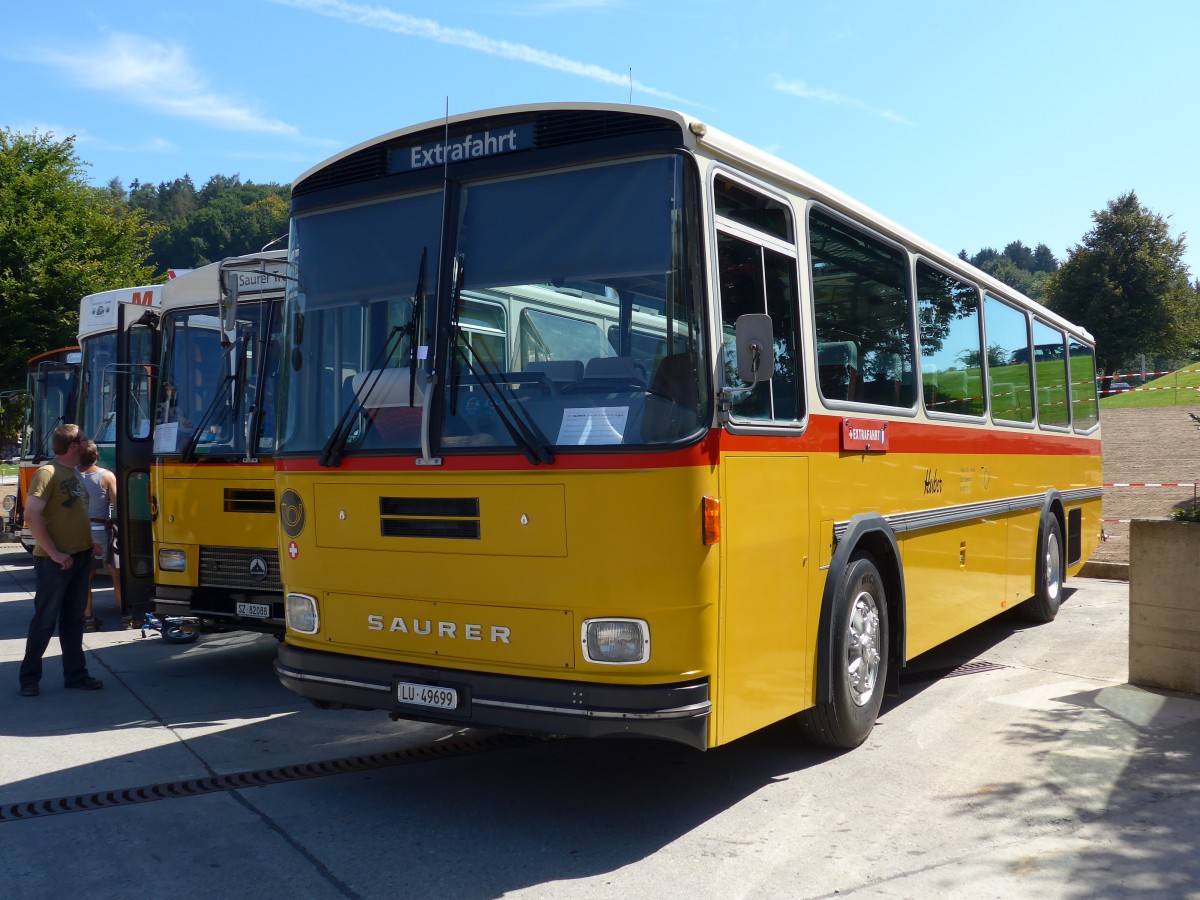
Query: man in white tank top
[101, 487]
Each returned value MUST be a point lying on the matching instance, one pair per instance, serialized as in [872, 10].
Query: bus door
[137, 340]
[764, 660]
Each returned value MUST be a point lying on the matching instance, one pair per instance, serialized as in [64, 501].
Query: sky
[971, 124]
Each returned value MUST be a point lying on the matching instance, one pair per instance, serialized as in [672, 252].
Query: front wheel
[180, 632]
[859, 649]
[1048, 576]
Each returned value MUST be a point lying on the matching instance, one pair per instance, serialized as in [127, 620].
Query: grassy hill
[1179, 388]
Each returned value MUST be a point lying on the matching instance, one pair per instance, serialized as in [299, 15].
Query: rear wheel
[859, 649]
[1048, 576]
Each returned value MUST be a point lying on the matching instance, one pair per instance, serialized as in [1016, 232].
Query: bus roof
[66, 352]
[200, 286]
[713, 143]
[98, 312]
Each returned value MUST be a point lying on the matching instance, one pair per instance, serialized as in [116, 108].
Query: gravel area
[1157, 446]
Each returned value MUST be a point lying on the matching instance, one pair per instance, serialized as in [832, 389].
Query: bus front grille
[244, 568]
[430, 517]
[249, 500]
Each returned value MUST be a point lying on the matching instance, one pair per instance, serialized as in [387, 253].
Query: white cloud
[427, 29]
[805, 92]
[84, 139]
[159, 76]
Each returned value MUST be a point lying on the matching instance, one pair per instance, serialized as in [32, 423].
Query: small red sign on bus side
[865, 435]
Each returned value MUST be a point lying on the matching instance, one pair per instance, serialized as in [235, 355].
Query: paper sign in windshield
[165, 437]
[593, 425]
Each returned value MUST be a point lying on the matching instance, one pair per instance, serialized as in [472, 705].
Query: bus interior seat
[886, 386]
[558, 372]
[837, 369]
[610, 374]
[948, 391]
[671, 408]
[387, 403]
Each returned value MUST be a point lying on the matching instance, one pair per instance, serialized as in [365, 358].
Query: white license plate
[427, 695]
[254, 610]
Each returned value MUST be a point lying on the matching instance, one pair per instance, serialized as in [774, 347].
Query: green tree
[60, 239]
[226, 217]
[1127, 284]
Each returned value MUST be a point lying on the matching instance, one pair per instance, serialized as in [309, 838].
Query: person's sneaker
[126, 621]
[91, 623]
[87, 683]
[29, 690]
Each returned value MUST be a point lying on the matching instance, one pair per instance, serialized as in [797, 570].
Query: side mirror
[227, 304]
[755, 337]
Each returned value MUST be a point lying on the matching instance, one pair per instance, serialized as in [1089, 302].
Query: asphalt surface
[1017, 763]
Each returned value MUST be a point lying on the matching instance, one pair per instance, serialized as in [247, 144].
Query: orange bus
[597, 421]
[51, 399]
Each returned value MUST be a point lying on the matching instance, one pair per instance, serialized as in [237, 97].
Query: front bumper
[676, 712]
[220, 605]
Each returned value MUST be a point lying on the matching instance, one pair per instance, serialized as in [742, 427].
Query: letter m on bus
[143, 298]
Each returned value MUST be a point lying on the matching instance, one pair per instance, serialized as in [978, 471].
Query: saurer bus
[106, 321]
[51, 399]
[597, 421]
[216, 532]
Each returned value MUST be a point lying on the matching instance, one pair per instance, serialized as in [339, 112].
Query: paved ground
[1037, 771]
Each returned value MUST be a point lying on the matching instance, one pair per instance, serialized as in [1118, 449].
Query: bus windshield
[570, 317]
[210, 393]
[98, 416]
[53, 394]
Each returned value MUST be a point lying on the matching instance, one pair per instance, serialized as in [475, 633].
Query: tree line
[62, 239]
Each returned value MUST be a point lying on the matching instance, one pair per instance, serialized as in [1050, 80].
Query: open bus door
[137, 346]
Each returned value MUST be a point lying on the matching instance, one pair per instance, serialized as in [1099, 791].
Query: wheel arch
[1052, 505]
[868, 532]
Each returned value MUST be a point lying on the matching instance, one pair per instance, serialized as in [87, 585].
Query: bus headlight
[302, 615]
[616, 641]
[172, 560]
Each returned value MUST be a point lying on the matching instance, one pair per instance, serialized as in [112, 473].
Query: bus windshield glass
[98, 416]
[53, 394]
[569, 319]
[210, 393]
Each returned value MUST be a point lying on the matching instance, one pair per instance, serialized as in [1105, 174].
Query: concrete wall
[1164, 604]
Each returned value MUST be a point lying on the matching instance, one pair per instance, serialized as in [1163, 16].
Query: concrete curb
[1110, 570]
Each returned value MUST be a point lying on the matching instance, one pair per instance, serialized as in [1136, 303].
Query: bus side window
[757, 279]
[861, 302]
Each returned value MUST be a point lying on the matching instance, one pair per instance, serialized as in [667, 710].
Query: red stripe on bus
[823, 435]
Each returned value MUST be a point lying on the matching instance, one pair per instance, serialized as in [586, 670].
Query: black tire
[175, 633]
[1048, 576]
[858, 644]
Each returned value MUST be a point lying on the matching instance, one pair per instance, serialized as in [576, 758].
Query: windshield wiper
[189, 450]
[331, 453]
[523, 433]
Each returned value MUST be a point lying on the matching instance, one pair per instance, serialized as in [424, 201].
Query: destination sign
[461, 148]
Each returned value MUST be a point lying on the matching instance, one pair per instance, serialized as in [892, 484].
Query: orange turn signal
[712, 520]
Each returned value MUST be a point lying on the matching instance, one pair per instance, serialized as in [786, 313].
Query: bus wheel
[859, 651]
[1048, 578]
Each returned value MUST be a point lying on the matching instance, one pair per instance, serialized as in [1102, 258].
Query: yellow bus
[596, 421]
[215, 529]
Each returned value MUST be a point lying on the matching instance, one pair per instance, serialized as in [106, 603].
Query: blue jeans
[60, 600]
